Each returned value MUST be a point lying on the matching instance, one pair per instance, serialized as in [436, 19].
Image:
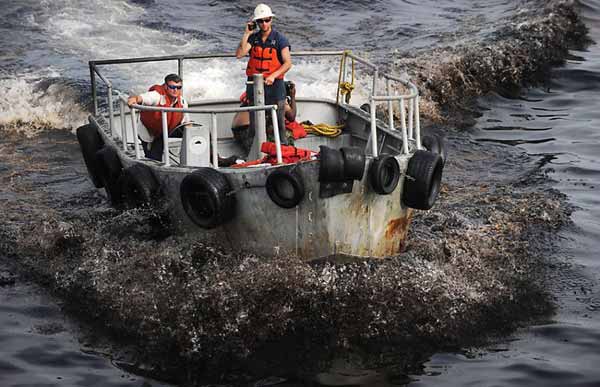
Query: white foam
[225, 78]
[102, 29]
[29, 109]
[78, 31]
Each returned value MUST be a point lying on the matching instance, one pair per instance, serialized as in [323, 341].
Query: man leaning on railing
[166, 95]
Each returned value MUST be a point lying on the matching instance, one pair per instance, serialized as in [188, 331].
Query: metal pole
[213, 140]
[180, 67]
[344, 70]
[259, 116]
[165, 134]
[373, 129]
[276, 134]
[135, 134]
[390, 104]
[110, 112]
[375, 76]
[94, 94]
[411, 113]
[123, 124]
[403, 126]
[417, 123]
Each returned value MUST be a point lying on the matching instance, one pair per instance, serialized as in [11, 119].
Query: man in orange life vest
[166, 95]
[270, 55]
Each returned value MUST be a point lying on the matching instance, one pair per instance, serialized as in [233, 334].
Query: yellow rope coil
[323, 129]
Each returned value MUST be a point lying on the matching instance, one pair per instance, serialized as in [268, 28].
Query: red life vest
[153, 120]
[289, 155]
[263, 60]
[297, 129]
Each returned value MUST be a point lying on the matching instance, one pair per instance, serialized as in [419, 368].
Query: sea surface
[44, 87]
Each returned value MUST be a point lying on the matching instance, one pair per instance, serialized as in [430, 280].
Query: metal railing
[409, 115]
[213, 130]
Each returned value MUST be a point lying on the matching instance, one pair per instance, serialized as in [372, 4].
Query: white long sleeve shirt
[154, 98]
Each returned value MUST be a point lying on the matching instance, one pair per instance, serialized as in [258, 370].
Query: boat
[352, 194]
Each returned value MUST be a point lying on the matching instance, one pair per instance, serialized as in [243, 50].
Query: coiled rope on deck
[323, 129]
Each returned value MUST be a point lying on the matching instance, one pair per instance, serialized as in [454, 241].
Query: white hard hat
[261, 11]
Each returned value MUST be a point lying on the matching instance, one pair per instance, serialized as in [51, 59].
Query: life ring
[109, 171]
[331, 167]
[435, 144]
[354, 162]
[207, 197]
[423, 180]
[138, 185]
[90, 142]
[384, 174]
[285, 187]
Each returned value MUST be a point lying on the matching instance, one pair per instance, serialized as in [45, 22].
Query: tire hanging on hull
[423, 181]
[207, 198]
[90, 142]
[435, 144]
[285, 188]
[384, 174]
[139, 186]
[109, 171]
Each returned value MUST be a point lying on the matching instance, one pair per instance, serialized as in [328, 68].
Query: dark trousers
[154, 150]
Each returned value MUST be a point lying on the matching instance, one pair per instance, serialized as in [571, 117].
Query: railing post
[111, 112]
[260, 125]
[373, 128]
[135, 134]
[390, 104]
[276, 134]
[403, 126]
[411, 113]
[94, 93]
[180, 67]
[123, 124]
[165, 134]
[213, 140]
[417, 123]
[375, 76]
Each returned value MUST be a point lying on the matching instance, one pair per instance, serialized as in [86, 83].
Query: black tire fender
[331, 167]
[139, 186]
[423, 180]
[384, 174]
[435, 144]
[90, 142]
[109, 171]
[207, 197]
[354, 163]
[285, 187]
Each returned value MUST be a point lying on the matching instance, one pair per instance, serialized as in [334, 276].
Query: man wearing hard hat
[269, 55]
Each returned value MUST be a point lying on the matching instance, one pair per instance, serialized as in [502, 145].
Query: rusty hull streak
[397, 227]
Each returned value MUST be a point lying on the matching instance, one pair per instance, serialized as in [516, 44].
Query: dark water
[41, 347]
[558, 124]
[44, 85]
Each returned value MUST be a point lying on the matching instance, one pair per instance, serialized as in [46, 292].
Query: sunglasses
[267, 20]
[175, 87]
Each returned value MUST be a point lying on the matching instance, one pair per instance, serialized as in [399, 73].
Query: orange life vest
[263, 60]
[289, 155]
[153, 120]
[296, 128]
